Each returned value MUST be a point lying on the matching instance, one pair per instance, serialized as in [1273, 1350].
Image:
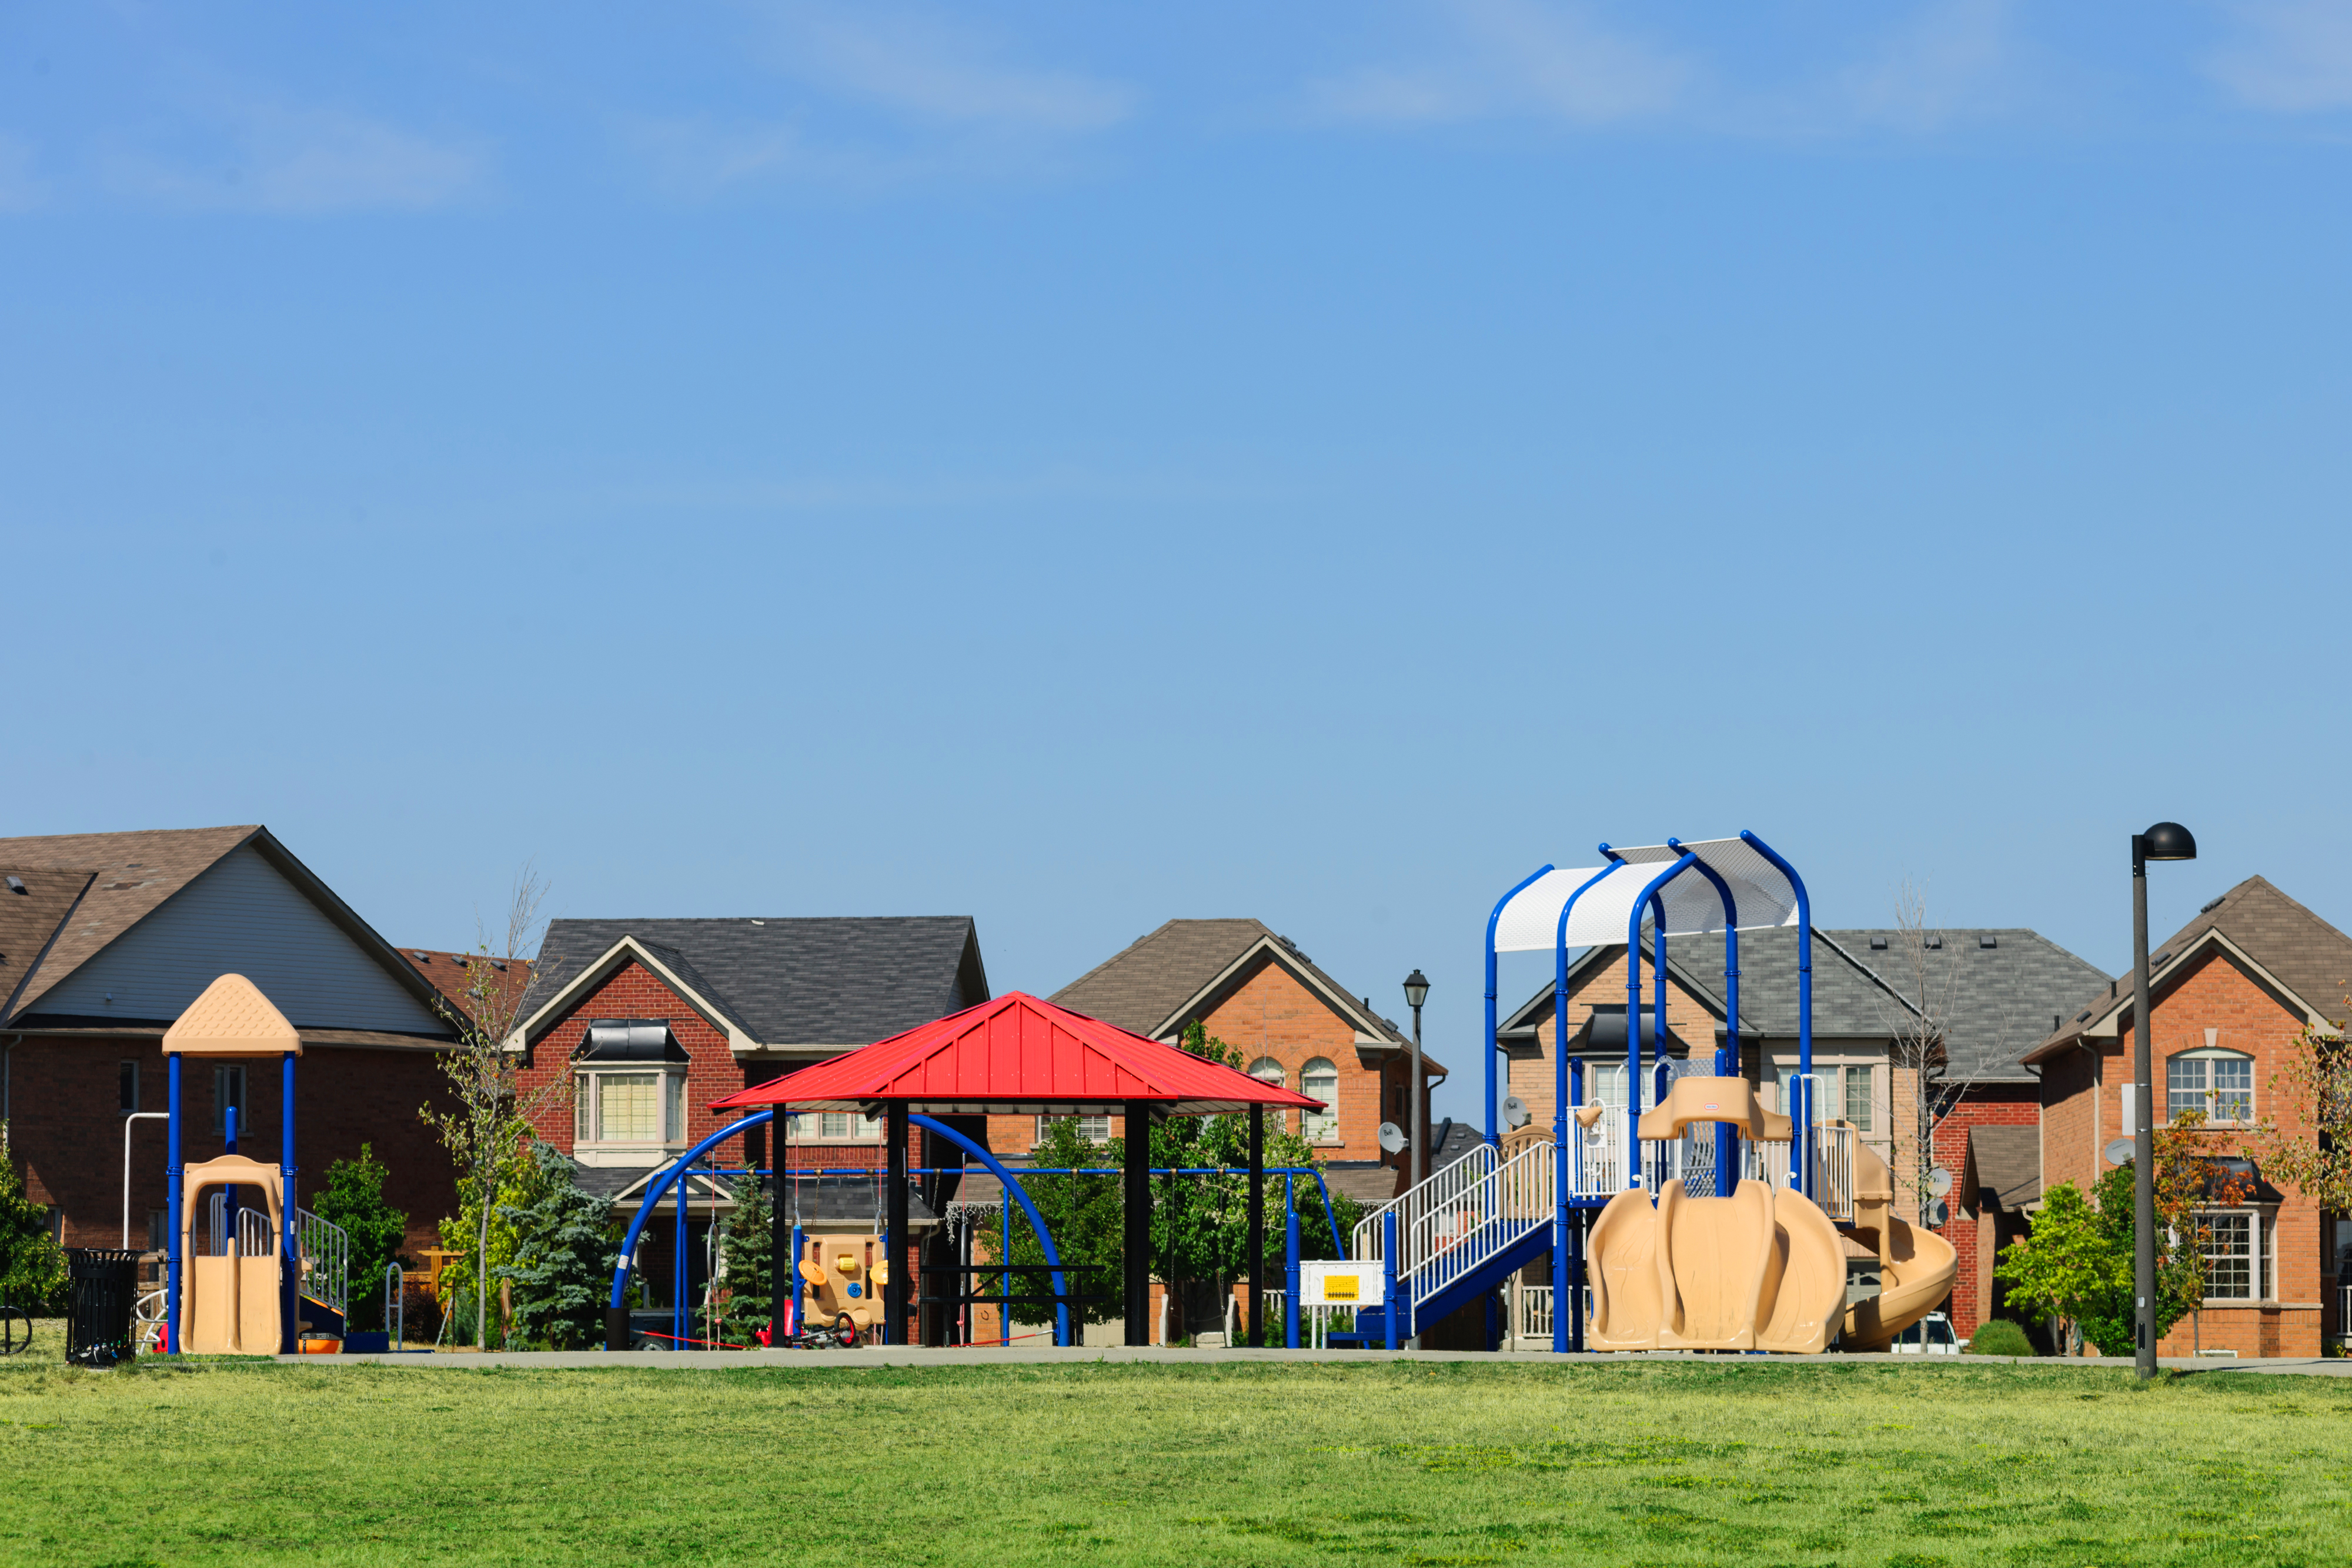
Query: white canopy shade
[1762, 897]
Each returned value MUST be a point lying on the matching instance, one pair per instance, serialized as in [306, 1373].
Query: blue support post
[1563, 1164]
[678, 1326]
[176, 1176]
[1289, 1266]
[1494, 1131]
[1800, 1138]
[800, 1250]
[1389, 1298]
[1727, 1137]
[1648, 899]
[289, 1266]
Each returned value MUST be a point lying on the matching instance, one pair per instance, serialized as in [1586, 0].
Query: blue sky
[1078, 467]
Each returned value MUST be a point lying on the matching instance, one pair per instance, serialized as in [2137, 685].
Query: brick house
[1990, 985]
[106, 937]
[2231, 992]
[1293, 1024]
[639, 1025]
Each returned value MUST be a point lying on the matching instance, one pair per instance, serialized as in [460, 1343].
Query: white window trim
[1320, 1128]
[1037, 1133]
[2212, 1095]
[808, 1127]
[2265, 1259]
[595, 1151]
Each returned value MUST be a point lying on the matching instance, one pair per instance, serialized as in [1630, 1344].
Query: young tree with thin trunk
[490, 1120]
[1924, 981]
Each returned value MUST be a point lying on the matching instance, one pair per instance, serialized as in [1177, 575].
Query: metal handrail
[1832, 1171]
[1441, 1189]
[395, 1304]
[1448, 1243]
[324, 1251]
[1598, 1168]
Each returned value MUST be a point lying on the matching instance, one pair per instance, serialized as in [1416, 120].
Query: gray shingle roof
[2312, 958]
[2009, 1161]
[2001, 998]
[829, 982]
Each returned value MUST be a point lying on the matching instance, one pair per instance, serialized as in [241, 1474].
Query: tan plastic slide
[1915, 1267]
[1761, 1270]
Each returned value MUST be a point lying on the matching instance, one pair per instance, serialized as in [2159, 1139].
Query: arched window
[1320, 1080]
[1267, 1069]
[2219, 1082]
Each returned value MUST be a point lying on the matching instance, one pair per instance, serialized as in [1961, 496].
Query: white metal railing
[325, 1250]
[1448, 1243]
[1439, 1191]
[1598, 1167]
[1832, 1172]
[255, 1236]
[1532, 1319]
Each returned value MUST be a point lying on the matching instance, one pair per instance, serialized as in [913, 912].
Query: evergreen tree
[746, 1253]
[354, 1198]
[32, 1264]
[562, 1256]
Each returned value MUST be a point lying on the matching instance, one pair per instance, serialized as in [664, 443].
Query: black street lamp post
[1416, 992]
[2164, 841]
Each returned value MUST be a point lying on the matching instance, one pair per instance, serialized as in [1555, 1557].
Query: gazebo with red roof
[1020, 1054]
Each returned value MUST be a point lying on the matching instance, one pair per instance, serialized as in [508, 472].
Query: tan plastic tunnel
[231, 1302]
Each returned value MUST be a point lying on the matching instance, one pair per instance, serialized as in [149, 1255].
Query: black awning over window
[1605, 1030]
[629, 1040]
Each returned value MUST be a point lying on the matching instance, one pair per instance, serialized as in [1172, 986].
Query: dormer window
[2219, 1082]
[629, 1088]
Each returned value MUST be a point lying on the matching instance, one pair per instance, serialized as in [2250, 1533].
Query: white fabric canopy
[1762, 897]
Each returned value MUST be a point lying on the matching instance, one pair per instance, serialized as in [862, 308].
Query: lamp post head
[2168, 842]
[1416, 988]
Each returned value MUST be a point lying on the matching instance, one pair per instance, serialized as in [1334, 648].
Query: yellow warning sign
[1339, 1287]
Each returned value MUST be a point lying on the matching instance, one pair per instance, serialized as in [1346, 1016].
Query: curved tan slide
[1916, 1271]
[1623, 1268]
[1804, 1290]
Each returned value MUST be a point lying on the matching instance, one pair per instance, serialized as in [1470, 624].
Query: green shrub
[32, 1264]
[562, 1264]
[354, 1199]
[2001, 1337]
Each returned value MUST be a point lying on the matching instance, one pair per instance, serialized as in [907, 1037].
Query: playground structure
[1016, 1054]
[1725, 1241]
[248, 1272]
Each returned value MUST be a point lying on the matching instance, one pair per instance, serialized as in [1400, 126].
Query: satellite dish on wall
[1939, 1181]
[1516, 1113]
[1391, 1138]
[2118, 1151]
[1937, 1213]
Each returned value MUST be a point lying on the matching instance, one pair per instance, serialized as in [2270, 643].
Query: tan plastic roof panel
[232, 1018]
[1699, 1099]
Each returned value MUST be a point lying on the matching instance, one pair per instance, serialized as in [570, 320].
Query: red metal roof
[1018, 1055]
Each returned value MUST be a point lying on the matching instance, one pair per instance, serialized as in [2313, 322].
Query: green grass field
[1670, 1462]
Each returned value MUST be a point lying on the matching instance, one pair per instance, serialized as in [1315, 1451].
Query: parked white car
[1931, 1335]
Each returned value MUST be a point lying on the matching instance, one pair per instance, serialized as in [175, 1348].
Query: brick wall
[1977, 1229]
[2082, 1109]
[1532, 1078]
[67, 1128]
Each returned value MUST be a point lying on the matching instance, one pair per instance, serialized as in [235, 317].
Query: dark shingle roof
[830, 981]
[135, 871]
[2001, 998]
[2009, 1161]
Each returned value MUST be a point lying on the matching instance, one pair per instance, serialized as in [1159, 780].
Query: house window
[1267, 1069]
[1093, 1129]
[1319, 1080]
[2232, 1241]
[846, 1126]
[1604, 1085]
[646, 1107]
[128, 1076]
[1860, 1085]
[228, 1089]
[2219, 1082]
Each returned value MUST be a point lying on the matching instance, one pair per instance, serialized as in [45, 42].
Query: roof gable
[1163, 982]
[830, 983]
[2282, 943]
[34, 908]
[241, 913]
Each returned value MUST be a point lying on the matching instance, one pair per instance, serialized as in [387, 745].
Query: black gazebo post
[894, 1292]
[1139, 1222]
[1256, 1218]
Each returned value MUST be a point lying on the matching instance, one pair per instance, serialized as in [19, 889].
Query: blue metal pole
[289, 1266]
[1388, 1273]
[1800, 1167]
[1020, 1195]
[1727, 1137]
[678, 1276]
[1494, 1131]
[1563, 1165]
[175, 1187]
[800, 1250]
[662, 1184]
[1649, 895]
[1289, 1266]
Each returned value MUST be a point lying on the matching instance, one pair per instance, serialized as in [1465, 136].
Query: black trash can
[103, 1286]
